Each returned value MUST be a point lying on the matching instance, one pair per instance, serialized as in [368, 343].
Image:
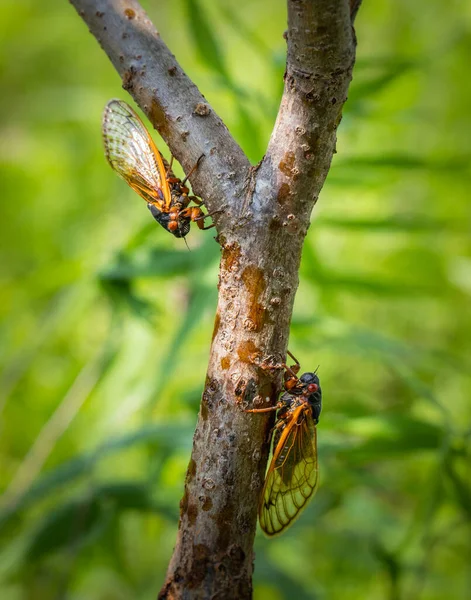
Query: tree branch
[257, 284]
[174, 105]
[267, 211]
[321, 54]
[354, 7]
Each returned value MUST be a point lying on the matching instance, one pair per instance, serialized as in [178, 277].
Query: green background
[107, 319]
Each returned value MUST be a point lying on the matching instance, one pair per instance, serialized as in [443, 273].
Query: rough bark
[266, 211]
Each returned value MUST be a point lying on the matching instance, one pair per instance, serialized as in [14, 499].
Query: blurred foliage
[106, 320]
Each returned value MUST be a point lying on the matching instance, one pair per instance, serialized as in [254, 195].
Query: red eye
[312, 387]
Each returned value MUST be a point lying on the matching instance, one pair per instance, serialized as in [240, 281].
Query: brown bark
[266, 211]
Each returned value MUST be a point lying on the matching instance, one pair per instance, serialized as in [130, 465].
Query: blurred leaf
[268, 571]
[375, 77]
[117, 280]
[390, 563]
[161, 262]
[166, 437]
[65, 412]
[201, 296]
[249, 35]
[422, 390]
[326, 279]
[203, 33]
[131, 495]
[79, 521]
[389, 436]
[460, 485]
[372, 345]
[409, 223]
[69, 526]
[362, 179]
[121, 294]
[249, 131]
[59, 310]
[126, 495]
[402, 162]
[356, 282]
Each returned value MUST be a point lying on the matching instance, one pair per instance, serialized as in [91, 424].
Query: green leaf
[126, 495]
[80, 521]
[390, 436]
[201, 296]
[357, 282]
[402, 162]
[160, 262]
[69, 526]
[121, 294]
[249, 35]
[132, 495]
[375, 77]
[165, 436]
[269, 574]
[249, 132]
[460, 484]
[409, 223]
[205, 40]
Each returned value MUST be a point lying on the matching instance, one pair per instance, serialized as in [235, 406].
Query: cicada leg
[291, 373]
[169, 168]
[295, 367]
[197, 216]
[193, 169]
[266, 409]
[200, 220]
[196, 200]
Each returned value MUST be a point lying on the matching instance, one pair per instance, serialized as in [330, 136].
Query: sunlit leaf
[248, 34]
[376, 76]
[205, 38]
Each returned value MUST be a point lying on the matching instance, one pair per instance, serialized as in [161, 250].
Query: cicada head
[179, 227]
[312, 390]
[183, 227]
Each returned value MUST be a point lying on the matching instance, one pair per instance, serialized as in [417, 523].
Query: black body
[314, 399]
[165, 218]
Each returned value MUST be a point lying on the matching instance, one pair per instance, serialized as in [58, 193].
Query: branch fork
[262, 215]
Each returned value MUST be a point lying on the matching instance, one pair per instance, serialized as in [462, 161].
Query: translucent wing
[292, 477]
[133, 155]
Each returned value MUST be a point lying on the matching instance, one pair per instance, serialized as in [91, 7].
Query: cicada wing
[292, 477]
[133, 155]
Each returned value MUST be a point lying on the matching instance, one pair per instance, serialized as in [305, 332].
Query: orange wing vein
[133, 155]
[292, 477]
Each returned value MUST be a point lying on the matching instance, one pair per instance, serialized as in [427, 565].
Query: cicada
[292, 477]
[132, 153]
